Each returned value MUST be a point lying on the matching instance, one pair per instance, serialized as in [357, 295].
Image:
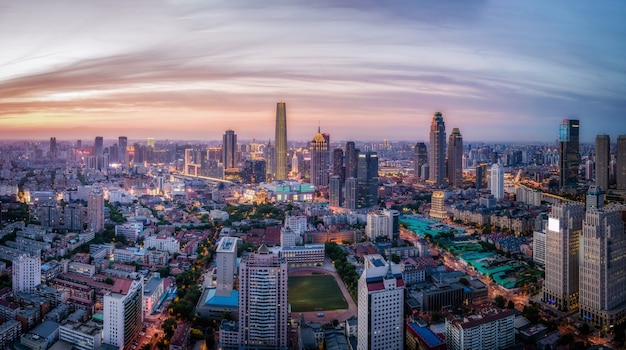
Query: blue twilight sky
[363, 70]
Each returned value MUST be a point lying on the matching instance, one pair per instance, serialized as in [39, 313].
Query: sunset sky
[362, 69]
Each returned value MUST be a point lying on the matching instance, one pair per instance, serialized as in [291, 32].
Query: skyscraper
[122, 310]
[281, 141]
[380, 306]
[334, 191]
[122, 143]
[603, 157]
[99, 146]
[367, 180]
[437, 152]
[603, 268]
[338, 169]
[229, 149]
[26, 273]
[319, 160]
[569, 153]
[560, 287]
[420, 157]
[54, 150]
[497, 181]
[226, 260]
[455, 159]
[95, 210]
[270, 160]
[481, 175]
[352, 154]
[351, 193]
[620, 172]
[594, 198]
[263, 307]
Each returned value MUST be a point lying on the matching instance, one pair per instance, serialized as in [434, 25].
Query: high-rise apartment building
[263, 307]
[455, 159]
[492, 330]
[620, 171]
[280, 141]
[569, 153]
[95, 210]
[319, 160]
[560, 288]
[481, 175]
[26, 273]
[226, 260]
[420, 157]
[122, 153]
[603, 157]
[602, 299]
[437, 151]
[99, 146]
[352, 159]
[269, 154]
[367, 178]
[380, 306]
[123, 312]
[496, 180]
[334, 191]
[229, 149]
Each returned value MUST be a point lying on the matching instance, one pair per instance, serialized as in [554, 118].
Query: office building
[491, 330]
[263, 307]
[98, 146]
[380, 306]
[54, 148]
[420, 157]
[226, 260]
[95, 210]
[569, 153]
[319, 160]
[352, 160]
[122, 310]
[594, 198]
[269, 154]
[367, 180]
[122, 153]
[335, 195]
[496, 180]
[351, 193]
[455, 159]
[229, 149]
[563, 232]
[620, 169]
[602, 300]
[438, 205]
[539, 247]
[338, 169]
[437, 151]
[603, 157]
[481, 176]
[26, 272]
[280, 142]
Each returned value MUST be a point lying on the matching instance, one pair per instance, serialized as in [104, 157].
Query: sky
[359, 69]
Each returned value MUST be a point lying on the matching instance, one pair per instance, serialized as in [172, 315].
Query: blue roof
[378, 262]
[231, 300]
[426, 334]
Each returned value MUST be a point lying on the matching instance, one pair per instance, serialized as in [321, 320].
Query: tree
[500, 301]
[109, 280]
[510, 305]
[395, 258]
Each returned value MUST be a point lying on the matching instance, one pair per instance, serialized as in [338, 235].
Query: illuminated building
[281, 142]
[123, 312]
[420, 157]
[569, 155]
[438, 205]
[563, 232]
[367, 180]
[603, 157]
[122, 154]
[95, 210]
[338, 169]
[437, 154]
[455, 159]
[319, 160]
[497, 181]
[229, 149]
[602, 299]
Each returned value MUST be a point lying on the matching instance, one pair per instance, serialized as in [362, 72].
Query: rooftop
[231, 300]
[426, 334]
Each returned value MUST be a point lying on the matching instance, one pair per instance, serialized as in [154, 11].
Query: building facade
[437, 151]
[26, 272]
[569, 153]
[281, 142]
[123, 312]
[455, 159]
[496, 180]
[494, 330]
[319, 160]
[420, 157]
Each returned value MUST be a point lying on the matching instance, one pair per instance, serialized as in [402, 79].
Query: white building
[152, 293]
[307, 255]
[26, 273]
[226, 260]
[496, 180]
[560, 287]
[263, 307]
[603, 268]
[123, 316]
[296, 224]
[288, 238]
[380, 306]
[95, 210]
[489, 331]
[82, 336]
[378, 225]
[163, 243]
[81, 269]
[130, 230]
[539, 247]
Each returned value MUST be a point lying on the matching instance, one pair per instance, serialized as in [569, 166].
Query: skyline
[383, 67]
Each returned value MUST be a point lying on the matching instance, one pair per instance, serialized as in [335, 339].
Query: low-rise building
[491, 329]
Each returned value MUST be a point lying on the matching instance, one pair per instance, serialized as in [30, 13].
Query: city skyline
[497, 71]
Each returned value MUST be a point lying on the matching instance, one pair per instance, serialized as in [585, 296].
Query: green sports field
[315, 293]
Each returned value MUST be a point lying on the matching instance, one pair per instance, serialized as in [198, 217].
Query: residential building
[123, 316]
[491, 330]
[26, 272]
[496, 180]
[420, 157]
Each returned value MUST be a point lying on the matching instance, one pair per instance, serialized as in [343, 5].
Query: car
[320, 314]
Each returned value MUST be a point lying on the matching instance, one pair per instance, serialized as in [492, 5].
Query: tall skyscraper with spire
[437, 154]
[281, 141]
[603, 157]
[229, 149]
[569, 152]
[319, 160]
[420, 157]
[455, 159]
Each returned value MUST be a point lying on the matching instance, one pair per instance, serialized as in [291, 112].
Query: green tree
[500, 301]
[395, 258]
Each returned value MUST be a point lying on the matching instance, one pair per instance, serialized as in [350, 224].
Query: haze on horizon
[363, 70]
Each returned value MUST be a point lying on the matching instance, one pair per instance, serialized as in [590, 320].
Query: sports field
[315, 293]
